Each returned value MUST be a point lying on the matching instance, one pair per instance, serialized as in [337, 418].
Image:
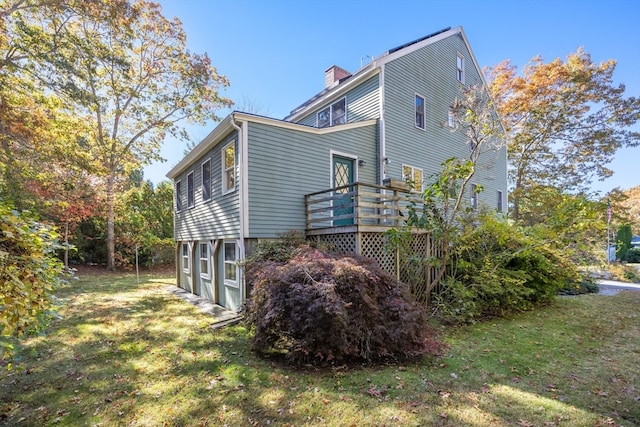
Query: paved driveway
[612, 287]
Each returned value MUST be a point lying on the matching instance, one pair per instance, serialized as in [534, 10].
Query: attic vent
[333, 75]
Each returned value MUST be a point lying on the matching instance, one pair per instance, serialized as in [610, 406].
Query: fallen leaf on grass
[373, 391]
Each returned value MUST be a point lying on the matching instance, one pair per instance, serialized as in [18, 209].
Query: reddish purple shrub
[322, 308]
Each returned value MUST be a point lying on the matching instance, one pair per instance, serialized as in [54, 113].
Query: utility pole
[608, 223]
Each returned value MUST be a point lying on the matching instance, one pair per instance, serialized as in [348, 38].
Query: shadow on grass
[124, 354]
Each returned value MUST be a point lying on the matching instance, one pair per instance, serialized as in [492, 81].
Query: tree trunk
[111, 215]
[66, 243]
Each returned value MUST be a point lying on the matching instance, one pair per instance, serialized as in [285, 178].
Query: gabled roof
[228, 125]
[374, 66]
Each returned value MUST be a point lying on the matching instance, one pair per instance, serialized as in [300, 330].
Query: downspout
[242, 138]
[383, 146]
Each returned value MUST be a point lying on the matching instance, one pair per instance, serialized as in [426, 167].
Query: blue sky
[275, 52]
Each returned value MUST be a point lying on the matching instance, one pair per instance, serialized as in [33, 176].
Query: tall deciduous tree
[566, 120]
[125, 70]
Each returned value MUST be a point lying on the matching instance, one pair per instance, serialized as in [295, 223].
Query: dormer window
[460, 68]
[335, 114]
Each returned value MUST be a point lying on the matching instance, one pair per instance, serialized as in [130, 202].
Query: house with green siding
[336, 167]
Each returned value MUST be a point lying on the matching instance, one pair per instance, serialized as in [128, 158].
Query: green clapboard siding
[363, 103]
[286, 164]
[431, 73]
[219, 217]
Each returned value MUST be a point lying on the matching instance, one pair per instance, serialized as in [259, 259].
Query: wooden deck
[354, 219]
[357, 207]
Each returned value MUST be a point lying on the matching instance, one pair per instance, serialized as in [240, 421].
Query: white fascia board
[417, 46]
[225, 127]
[374, 67]
[301, 128]
[203, 146]
[360, 75]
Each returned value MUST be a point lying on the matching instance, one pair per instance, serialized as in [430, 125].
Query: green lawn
[135, 355]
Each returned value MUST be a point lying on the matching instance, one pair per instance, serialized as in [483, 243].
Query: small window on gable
[178, 196]
[499, 201]
[230, 265]
[204, 260]
[413, 176]
[335, 114]
[229, 167]
[191, 199]
[420, 112]
[206, 180]
[474, 196]
[185, 257]
[460, 68]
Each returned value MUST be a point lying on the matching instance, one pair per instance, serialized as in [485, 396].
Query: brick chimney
[333, 74]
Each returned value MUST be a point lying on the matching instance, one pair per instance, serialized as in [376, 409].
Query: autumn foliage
[323, 308]
[29, 273]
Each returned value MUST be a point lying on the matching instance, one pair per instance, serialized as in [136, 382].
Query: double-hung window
[206, 180]
[178, 196]
[204, 260]
[460, 68]
[335, 114]
[413, 176]
[185, 257]
[451, 120]
[420, 112]
[230, 266]
[229, 167]
[191, 198]
[474, 196]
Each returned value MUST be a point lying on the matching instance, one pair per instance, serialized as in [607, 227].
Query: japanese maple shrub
[320, 307]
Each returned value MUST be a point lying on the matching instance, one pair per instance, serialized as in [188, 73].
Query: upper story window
[420, 112]
[335, 114]
[413, 176]
[206, 180]
[229, 167]
[499, 204]
[191, 199]
[460, 68]
[451, 120]
[474, 196]
[178, 196]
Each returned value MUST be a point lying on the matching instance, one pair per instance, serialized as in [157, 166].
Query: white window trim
[332, 154]
[460, 74]
[230, 283]
[474, 196]
[186, 269]
[226, 190]
[413, 172]
[331, 114]
[178, 196]
[191, 192]
[424, 112]
[210, 180]
[333, 118]
[209, 247]
[500, 201]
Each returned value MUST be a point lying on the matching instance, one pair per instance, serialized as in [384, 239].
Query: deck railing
[358, 204]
